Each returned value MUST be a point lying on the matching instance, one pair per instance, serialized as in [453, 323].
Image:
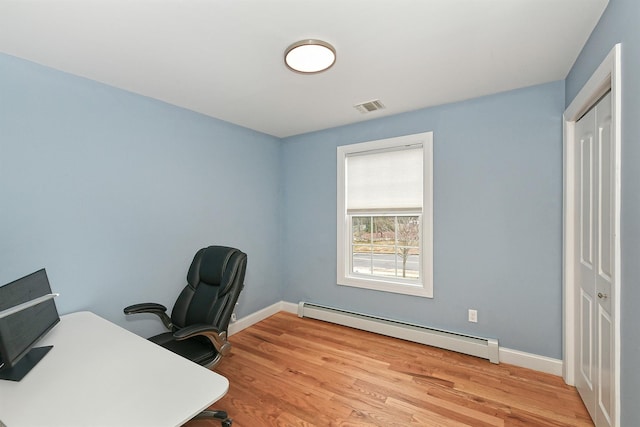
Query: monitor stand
[22, 368]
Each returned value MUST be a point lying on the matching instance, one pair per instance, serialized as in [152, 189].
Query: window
[385, 237]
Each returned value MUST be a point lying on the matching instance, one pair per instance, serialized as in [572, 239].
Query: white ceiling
[224, 58]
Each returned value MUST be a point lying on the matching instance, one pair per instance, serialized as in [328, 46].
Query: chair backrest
[214, 282]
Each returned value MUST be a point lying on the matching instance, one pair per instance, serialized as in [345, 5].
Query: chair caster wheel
[217, 415]
[221, 415]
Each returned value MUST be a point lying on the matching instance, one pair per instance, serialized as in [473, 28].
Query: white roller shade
[385, 180]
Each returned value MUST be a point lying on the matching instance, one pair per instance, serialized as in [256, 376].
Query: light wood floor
[287, 371]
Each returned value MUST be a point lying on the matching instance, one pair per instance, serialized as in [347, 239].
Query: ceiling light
[310, 56]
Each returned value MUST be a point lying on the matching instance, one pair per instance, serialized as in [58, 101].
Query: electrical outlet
[233, 315]
[473, 316]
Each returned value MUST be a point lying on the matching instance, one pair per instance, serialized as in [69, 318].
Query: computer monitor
[27, 313]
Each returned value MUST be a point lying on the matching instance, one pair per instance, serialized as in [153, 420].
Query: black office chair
[201, 314]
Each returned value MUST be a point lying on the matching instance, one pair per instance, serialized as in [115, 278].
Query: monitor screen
[19, 331]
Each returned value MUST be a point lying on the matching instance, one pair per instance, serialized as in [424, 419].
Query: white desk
[99, 374]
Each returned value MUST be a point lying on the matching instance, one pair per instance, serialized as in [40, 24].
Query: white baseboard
[507, 355]
[531, 361]
[289, 307]
[260, 315]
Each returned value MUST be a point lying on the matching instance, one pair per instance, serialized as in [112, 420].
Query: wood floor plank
[448, 408]
[287, 371]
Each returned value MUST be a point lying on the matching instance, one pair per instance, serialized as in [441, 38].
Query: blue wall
[113, 193]
[620, 23]
[497, 218]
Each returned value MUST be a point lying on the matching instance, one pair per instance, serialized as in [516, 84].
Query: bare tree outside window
[408, 239]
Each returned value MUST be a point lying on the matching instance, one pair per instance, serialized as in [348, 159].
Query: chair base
[217, 415]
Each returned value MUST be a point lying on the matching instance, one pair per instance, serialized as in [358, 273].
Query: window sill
[385, 286]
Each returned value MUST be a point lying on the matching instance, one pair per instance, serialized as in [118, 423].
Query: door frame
[606, 77]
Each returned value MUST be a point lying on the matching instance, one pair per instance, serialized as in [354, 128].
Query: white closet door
[595, 205]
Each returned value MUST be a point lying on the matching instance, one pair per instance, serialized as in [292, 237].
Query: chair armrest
[153, 308]
[147, 307]
[217, 338]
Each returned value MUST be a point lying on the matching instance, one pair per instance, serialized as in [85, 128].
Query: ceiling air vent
[369, 106]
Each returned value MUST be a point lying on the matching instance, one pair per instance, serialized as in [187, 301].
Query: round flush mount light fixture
[310, 56]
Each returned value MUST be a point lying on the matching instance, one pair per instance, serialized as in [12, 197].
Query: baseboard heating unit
[475, 346]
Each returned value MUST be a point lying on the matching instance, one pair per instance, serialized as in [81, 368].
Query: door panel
[586, 196]
[605, 196]
[586, 341]
[604, 278]
[605, 368]
[585, 269]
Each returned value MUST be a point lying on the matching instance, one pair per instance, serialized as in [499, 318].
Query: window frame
[421, 288]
